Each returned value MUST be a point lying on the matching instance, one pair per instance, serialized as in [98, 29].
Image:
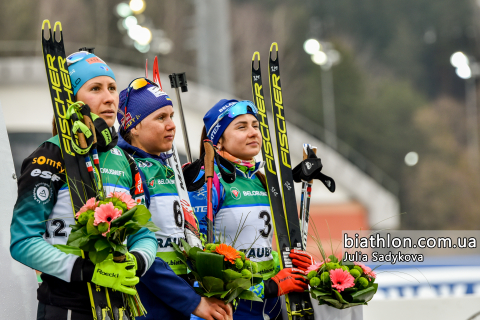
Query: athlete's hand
[118, 276]
[290, 280]
[213, 309]
[301, 259]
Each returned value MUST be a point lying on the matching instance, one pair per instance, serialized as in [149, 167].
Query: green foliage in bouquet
[103, 226]
[341, 284]
[221, 271]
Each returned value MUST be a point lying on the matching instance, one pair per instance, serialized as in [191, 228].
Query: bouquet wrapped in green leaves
[102, 228]
[221, 271]
[341, 284]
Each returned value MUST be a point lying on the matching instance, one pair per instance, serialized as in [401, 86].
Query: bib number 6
[265, 216]
[178, 214]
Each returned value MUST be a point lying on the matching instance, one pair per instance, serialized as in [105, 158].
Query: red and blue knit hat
[137, 101]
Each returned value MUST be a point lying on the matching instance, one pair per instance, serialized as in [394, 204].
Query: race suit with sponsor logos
[43, 213]
[164, 293]
[166, 211]
[243, 203]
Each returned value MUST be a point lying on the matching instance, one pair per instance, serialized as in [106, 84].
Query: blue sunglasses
[235, 110]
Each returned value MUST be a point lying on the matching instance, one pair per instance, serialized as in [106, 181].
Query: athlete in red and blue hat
[147, 131]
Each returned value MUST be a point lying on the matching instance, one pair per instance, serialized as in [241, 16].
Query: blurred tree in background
[395, 90]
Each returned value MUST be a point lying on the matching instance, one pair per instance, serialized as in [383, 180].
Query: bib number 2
[59, 231]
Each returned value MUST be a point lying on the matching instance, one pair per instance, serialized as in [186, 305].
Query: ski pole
[179, 80]
[192, 234]
[305, 200]
[208, 162]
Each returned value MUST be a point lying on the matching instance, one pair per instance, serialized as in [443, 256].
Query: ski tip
[274, 44]
[59, 24]
[256, 54]
[46, 21]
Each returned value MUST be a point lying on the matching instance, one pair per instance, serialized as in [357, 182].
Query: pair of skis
[192, 235]
[82, 178]
[284, 209]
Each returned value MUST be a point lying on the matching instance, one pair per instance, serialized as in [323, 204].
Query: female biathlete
[147, 131]
[43, 211]
[233, 127]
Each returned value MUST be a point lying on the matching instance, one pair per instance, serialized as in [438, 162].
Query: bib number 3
[265, 216]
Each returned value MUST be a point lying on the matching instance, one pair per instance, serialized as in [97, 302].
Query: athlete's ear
[219, 143]
[134, 130]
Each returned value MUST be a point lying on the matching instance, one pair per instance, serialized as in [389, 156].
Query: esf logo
[44, 174]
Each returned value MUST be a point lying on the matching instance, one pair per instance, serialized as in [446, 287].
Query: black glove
[310, 169]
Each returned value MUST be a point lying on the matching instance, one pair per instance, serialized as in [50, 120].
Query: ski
[293, 300]
[303, 308]
[78, 177]
[192, 235]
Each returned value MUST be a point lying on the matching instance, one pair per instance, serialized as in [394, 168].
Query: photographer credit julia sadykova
[393, 258]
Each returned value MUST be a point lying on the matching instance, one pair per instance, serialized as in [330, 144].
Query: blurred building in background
[394, 94]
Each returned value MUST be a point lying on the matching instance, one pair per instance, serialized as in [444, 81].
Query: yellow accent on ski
[274, 44]
[59, 26]
[47, 22]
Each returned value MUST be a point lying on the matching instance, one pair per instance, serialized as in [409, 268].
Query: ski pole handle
[305, 201]
[209, 171]
[179, 80]
[305, 156]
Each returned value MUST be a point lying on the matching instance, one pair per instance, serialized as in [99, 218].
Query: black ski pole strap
[310, 169]
[192, 170]
[226, 168]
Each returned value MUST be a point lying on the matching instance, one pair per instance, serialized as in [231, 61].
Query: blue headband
[88, 68]
[215, 126]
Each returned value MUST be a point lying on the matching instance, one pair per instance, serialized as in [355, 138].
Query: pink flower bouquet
[103, 226]
[341, 285]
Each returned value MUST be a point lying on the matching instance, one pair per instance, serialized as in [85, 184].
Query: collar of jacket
[250, 173]
[139, 153]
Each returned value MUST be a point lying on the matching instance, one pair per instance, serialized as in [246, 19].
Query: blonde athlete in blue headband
[42, 214]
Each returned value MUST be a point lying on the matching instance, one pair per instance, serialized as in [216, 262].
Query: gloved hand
[290, 280]
[117, 276]
[301, 259]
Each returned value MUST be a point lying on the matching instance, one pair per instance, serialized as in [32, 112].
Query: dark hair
[54, 128]
[259, 175]
[127, 136]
